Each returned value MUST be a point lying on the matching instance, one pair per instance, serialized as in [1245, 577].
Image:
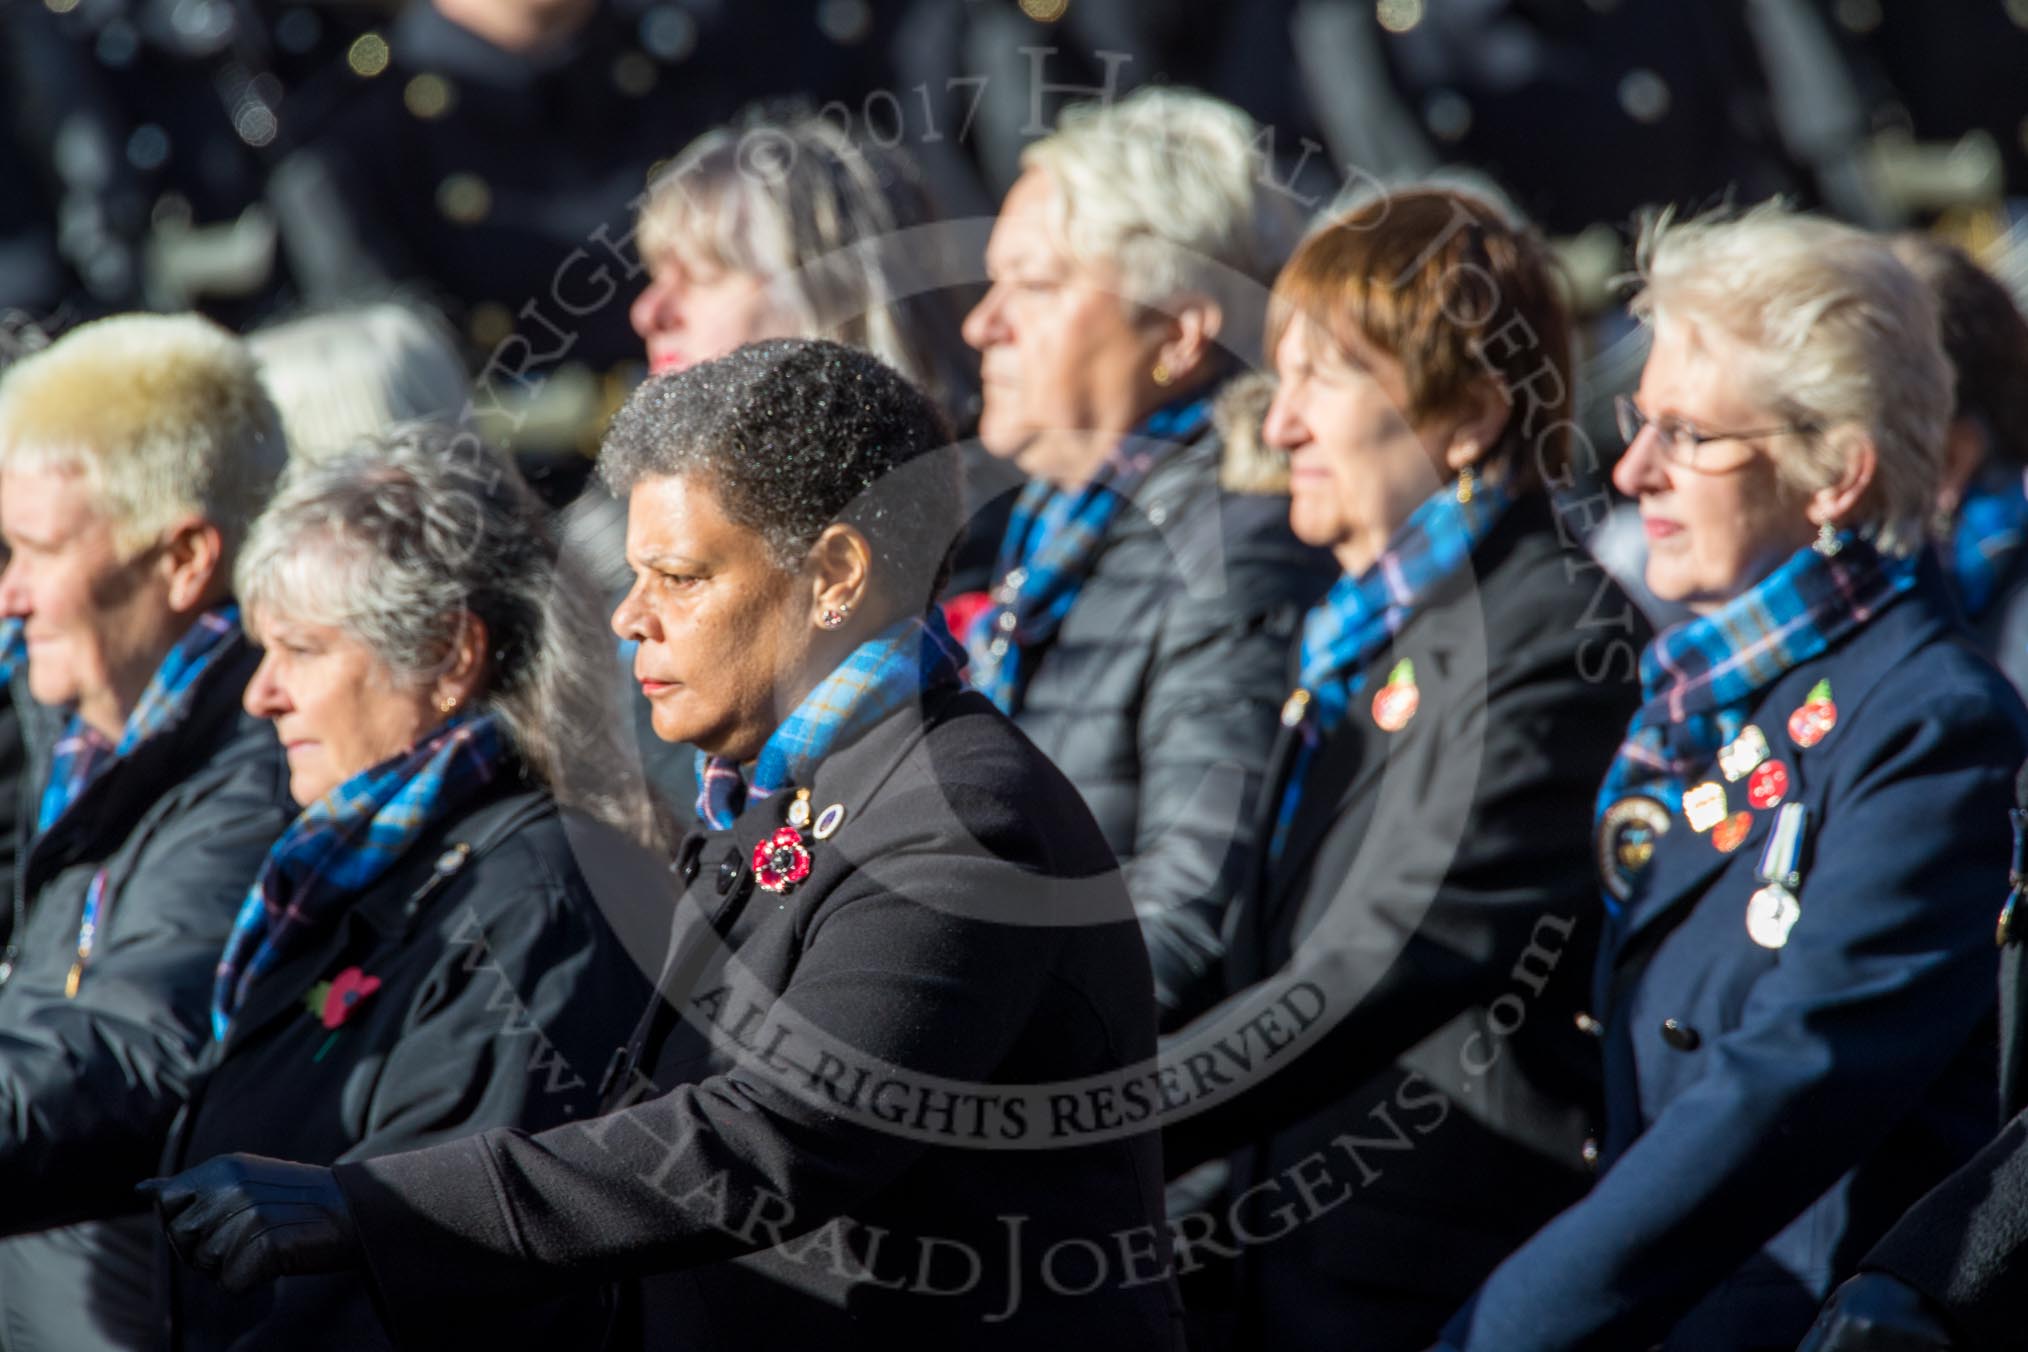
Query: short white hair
[342, 375]
[1840, 337]
[162, 416]
[1166, 187]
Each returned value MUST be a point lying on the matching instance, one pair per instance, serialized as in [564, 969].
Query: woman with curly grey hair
[421, 956]
[900, 929]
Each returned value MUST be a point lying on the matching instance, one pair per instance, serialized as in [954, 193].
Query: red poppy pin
[346, 992]
[781, 861]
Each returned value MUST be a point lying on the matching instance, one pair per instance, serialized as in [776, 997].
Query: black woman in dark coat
[902, 974]
[1417, 928]
[421, 956]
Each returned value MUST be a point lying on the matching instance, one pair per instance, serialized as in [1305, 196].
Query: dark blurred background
[254, 159]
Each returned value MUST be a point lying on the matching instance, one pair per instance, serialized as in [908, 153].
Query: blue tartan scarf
[1699, 679]
[1992, 526]
[1360, 615]
[1054, 536]
[878, 677]
[13, 647]
[343, 843]
[83, 753]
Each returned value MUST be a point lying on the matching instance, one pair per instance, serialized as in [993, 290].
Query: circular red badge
[1730, 833]
[1768, 784]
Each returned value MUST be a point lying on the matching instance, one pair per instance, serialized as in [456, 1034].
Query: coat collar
[389, 908]
[1685, 861]
[112, 803]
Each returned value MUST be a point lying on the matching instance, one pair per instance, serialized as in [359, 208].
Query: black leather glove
[1874, 1312]
[247, 1219]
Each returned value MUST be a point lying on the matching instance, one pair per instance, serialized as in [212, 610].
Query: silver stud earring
[834, 616]
[1827, 542]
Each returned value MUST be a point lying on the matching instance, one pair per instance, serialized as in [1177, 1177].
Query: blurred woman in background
[1148, 587]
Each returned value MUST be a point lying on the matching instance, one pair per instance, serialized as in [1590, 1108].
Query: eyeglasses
[1683, 445]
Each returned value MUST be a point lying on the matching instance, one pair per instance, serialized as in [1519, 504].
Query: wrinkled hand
[247, 1219]
[1874, 1312]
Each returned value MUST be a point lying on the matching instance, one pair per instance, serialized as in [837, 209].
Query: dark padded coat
[1158, 695]
[1437, 904]
[823, 1148]
[502, 995]
[89, 1086]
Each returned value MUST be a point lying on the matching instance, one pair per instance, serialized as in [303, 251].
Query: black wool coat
[819, 1136]
[90, 1082]
[1158, 693]
[501, 994]
[1437, 900]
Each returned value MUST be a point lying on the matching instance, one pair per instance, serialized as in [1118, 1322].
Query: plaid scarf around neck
[83, 753]
[344, 843]
[878, 677]
[1700, 678]
[1360, 615]
[1054, 536]
[13, 647]
[1992, 526]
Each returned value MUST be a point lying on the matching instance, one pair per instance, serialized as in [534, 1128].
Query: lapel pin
[1745, 752]
[1704, 806]
[1816, 716]
[781, 861]
[1396, 702]
[1730, 834]
[829, 820]
[1768, 785]
[799, 810]
[1293, 711]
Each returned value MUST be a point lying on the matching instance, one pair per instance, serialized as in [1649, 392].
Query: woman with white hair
[421, 956]
[340, 376]
[1148, 587]
[1796, 988]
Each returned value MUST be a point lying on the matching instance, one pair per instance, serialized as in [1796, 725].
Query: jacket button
[1680, 1035]
[689, 869]
[1586, 1024]
[728, 873]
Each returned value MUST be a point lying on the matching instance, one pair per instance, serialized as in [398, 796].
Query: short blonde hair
[1841, 339]
[1165, 187]
[162, 416]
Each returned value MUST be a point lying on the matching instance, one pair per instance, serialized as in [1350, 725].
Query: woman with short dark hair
[901, 934]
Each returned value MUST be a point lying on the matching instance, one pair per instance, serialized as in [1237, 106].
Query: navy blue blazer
[1772, 1110]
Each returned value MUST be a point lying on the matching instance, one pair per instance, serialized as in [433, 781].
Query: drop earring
[1468, 485]
[1827, 542]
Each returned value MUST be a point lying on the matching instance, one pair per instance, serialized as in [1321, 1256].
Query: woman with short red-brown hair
[1415, 938]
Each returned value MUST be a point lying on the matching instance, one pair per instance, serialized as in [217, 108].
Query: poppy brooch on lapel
[337, 1000]
[781, 861]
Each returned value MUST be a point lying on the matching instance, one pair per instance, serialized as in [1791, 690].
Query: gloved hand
[247, 1219]
[1874, 1312]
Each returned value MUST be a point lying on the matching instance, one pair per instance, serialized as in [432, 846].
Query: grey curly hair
[397, 541]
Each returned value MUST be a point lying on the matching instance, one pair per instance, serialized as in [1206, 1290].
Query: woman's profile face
[1357, 466]
[694, 311]
[1064, 368]
[336, 706]
[1715, 530]
[723, 633]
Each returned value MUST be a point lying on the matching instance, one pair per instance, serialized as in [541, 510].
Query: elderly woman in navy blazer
[1795, 996]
